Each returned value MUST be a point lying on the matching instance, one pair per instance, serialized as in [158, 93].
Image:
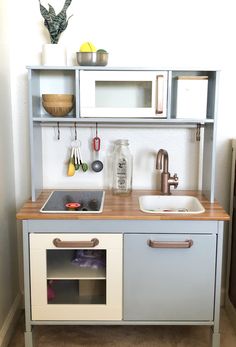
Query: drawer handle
[170, 244]
[75, 244]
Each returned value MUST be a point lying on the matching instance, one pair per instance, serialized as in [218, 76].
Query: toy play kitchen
[144, 257]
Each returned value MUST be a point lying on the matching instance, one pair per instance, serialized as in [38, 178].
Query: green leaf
[63, 11]
[44, 12]
[66, 5]
[63, 26]
[51, 12]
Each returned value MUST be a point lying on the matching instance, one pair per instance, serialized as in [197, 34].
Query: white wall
[148, 33]
[9, 290]
[152, 33]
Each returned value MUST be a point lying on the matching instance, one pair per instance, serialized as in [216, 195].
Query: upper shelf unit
[126, 95]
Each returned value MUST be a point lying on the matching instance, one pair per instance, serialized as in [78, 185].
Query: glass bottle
[122, 165]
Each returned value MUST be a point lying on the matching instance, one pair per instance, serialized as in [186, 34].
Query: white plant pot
[54, 55]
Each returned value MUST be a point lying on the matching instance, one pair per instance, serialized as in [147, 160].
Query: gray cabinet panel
[169, 284]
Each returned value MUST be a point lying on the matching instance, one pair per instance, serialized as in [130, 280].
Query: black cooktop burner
[74, 201]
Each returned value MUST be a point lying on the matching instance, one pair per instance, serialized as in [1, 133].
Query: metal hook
[198, 132]
[75, 131]
[96, 129]
[58, 131]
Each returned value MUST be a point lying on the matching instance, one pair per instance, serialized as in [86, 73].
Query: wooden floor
[124, 336]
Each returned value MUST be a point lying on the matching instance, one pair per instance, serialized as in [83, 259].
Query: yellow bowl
[58, 97]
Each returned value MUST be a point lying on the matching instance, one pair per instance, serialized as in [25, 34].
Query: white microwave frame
[158, 107]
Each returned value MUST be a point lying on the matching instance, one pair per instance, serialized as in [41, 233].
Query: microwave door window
[123, 94]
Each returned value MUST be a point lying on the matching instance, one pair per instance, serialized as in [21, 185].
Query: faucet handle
[174, 180]
[175, 177]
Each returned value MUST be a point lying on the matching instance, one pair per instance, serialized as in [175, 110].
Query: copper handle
[75, 244]
[170, 244]
[159, 93]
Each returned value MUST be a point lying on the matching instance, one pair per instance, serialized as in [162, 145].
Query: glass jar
[122, 165]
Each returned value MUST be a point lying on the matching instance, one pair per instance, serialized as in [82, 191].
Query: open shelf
[52, 119]
[192, 93]
[72, 293]
[60, 266]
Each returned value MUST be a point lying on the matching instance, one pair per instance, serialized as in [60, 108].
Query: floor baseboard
[7, 329]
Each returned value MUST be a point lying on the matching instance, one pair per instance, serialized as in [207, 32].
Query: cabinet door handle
[75, 244]
[159, 93]
[170, 244]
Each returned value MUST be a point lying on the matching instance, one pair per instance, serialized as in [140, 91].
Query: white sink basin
[170, 204]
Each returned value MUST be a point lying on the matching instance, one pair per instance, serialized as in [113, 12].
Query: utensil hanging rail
[115, 125]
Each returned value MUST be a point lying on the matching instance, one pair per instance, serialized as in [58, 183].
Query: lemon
[88, 47]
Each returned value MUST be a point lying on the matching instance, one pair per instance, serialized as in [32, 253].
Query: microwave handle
[159, 93]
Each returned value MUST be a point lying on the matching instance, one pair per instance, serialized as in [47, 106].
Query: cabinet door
[174, 282]
[123, 94]
[73, 277]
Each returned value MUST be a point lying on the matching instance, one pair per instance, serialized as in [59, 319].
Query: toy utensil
[76, 158]
[82, 163]
[96, 165]
[71, 166]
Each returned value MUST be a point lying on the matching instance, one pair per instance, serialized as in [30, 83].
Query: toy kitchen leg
[28, 339]
[216, 326]
[28, 325]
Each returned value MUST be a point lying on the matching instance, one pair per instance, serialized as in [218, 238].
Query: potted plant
[56, 24]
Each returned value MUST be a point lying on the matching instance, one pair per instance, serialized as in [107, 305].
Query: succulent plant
[55, 23]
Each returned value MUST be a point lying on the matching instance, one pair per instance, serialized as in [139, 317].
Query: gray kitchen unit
[144, 269]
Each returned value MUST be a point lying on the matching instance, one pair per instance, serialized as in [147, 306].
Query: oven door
[76, 276]
[140, 94]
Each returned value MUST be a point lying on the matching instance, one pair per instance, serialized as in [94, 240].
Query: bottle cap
[122, 142]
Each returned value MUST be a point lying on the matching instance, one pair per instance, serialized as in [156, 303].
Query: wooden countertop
[124, 208]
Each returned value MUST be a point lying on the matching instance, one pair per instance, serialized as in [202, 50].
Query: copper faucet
[166, 179]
